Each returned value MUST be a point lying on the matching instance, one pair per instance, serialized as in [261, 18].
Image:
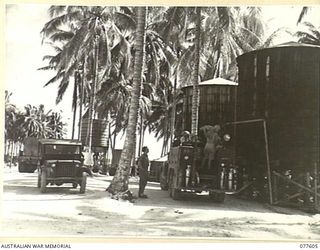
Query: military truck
[184, 174]
[61, 161]
[28, 158]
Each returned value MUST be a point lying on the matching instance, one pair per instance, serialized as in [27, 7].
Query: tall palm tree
[195, 76]
[87, 34]
[120, 181]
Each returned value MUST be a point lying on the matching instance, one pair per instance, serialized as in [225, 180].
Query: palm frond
[303, 13]
[57, 77]
[61, 35]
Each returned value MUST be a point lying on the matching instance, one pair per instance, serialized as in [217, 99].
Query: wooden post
[275, 189]
[316, 201]
[268, 161]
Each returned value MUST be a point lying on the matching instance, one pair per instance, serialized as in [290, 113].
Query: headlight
[77, 165]
[227, 137]
[52, 165]
[186, 157]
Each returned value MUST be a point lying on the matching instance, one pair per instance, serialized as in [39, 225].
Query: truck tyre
[175, 194]
[21, 167]
[31, 168]
[217, 196]
[39, 180]
[43, 182]
[112, 171]
[170, 183]
[83, 183]
[164, 184]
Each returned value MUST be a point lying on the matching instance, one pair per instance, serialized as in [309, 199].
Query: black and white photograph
[161, 122]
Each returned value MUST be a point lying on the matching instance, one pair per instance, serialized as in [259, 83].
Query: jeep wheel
[83, 183]
[39, 180]
[217, 196]
[43, 182]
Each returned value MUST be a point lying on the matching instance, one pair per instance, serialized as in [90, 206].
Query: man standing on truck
[143, 164]
[213, 143]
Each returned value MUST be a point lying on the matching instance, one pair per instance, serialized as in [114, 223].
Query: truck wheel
[32, 169]
[39, 180]
[74, 185]
[112, 171]
[43, 181]
[21, 167]
[175, 193]
[217, 196]
[163, 184]
[83, 183]
[170, 183]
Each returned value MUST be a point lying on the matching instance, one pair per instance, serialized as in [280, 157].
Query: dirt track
[63, 211]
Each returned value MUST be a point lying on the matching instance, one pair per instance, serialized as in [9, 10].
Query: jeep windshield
[61, 149]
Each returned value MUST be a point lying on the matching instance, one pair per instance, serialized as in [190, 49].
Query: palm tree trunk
[94, 84]
[81, 101]
[6, 147]
[140, 134]
[11, 154]
[121, 179]
[114, 139]
[196, 93]
[173, 113]
[74, 103]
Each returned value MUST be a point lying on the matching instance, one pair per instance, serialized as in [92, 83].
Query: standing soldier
[213, 142]
[143, 164]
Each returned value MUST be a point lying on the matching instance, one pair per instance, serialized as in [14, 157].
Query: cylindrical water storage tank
[217, 103]
[280, 85]
[99, 132]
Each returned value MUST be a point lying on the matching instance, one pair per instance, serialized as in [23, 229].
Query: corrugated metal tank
[217, 103]
[281, 85]
[99, 132]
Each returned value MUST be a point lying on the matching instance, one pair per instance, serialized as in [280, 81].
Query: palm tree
[86, 45]
[13, 131]
[120, 181]
[55, 125]
[10, 112]
[310, 34]
[94, 40]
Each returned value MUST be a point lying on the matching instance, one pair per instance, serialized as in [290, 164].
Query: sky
[24, 53]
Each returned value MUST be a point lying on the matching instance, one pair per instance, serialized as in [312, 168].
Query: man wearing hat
[143, 164]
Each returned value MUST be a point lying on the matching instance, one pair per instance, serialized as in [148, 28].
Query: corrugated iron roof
[294, 44]
[291, 44]
[60, 141]
[216, 81]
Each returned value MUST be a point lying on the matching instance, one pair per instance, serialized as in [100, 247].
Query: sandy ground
[62, 211]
